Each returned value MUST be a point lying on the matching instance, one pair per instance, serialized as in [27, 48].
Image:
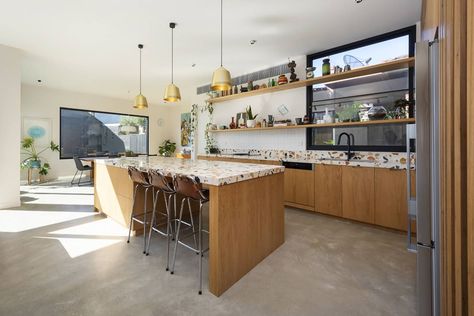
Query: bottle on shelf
[232, 124]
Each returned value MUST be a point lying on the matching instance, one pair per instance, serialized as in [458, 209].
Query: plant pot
[34, 164]
[250, 123]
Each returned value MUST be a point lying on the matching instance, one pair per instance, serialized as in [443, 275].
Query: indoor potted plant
[168, 148]
[250, 117]
[33, 158]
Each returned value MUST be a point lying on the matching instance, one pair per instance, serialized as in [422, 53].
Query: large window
[97, 134]
[349, 99]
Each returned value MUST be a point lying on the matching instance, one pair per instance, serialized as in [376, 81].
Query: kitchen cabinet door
[358, 193]
[328, 189]
[391, 198]
[299, 188]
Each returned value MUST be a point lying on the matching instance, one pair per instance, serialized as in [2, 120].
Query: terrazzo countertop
[209, 172]
[391, 160]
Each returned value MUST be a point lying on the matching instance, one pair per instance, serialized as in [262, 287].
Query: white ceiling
[91, 46]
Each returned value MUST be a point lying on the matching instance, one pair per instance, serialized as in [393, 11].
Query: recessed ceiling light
[358, 1]
[253, 42]
[193, 65]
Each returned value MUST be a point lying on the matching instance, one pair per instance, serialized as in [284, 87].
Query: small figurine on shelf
[310, 72]
[236, 90]
[250, 85]
[282, 79]
[292, 65]
[273, 82]
[232, 124]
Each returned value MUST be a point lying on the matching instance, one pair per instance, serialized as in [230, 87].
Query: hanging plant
[194, 122]
[211, 147]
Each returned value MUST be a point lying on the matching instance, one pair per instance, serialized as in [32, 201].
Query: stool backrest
[138, 176]
[188, 187]
[160, 181]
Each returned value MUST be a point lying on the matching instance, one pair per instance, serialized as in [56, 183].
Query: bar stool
[140, 179]
[191, 189]
[161, 184]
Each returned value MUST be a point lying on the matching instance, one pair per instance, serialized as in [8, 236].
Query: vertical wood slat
[470, 153]
[453, 124]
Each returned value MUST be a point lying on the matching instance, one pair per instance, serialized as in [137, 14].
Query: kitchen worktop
[391, 160]
[209, 172]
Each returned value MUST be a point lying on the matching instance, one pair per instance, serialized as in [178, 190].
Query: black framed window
[344, 99]
[99, 134]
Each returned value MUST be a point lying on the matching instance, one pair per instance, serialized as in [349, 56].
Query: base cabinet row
[370, 195]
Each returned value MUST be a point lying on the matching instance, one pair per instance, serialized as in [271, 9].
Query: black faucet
[350, 143]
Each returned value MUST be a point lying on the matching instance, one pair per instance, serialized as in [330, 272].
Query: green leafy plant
[33, 155]
[211, 146]
[167, 148]
[250, 115]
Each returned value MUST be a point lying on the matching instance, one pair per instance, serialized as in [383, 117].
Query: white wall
[10, 94]
[265, 104]
[44, 102]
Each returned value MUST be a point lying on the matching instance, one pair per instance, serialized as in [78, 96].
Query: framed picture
[242, 115]
[186, 129]
[37, 128]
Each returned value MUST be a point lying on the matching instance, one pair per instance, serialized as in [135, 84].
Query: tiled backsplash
[394, 160]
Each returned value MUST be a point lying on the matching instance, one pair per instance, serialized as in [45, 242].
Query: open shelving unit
[358, 72]
[256, 129]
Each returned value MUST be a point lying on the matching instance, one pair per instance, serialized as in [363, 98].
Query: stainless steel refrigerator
[425, 208]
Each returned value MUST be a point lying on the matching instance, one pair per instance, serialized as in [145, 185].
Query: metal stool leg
[192, 224]
[131, 213]
[177, 235]
[144, 220]
[168, 231]
[200, 247]
[153, 219]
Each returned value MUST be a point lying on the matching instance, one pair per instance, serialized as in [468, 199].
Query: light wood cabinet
[328, 189]
[299, 188]
[358, 194]
[391, 198]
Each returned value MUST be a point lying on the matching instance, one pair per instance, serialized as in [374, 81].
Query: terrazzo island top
[209, 172]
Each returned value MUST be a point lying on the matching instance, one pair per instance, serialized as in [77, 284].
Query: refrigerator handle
[411, 202]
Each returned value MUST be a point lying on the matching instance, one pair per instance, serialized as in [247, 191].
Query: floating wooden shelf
[358, 72]
[256, 129]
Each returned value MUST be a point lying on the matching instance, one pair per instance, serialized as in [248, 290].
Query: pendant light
[140, 100]
[172, 91]
[221, 76]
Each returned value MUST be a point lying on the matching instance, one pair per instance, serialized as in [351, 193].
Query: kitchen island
[246, 210]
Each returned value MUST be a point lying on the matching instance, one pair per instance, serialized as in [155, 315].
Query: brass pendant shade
[140, 100]
[221, 79]
[172, 91]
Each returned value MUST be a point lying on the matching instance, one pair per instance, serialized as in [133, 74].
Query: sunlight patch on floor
[103, 227]
[17, 221]
[76, 247]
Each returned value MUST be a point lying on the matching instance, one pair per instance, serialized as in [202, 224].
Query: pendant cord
[172, 54]
[140, 71]
[221, 33]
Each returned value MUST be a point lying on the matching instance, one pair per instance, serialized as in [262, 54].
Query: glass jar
[326, 69]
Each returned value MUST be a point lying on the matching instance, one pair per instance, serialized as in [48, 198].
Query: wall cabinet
[299, 188]
[328, 189]
[358, 194]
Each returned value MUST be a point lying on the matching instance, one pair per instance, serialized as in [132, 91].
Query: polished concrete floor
[58, 257]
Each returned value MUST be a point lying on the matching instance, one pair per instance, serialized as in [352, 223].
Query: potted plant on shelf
[168, 148]
[33, 158]
[250, 117]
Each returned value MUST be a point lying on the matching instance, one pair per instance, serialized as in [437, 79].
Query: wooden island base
[246, 220]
